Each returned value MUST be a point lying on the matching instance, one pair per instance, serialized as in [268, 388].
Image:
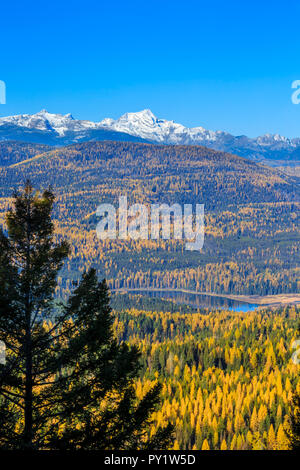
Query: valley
[257, 300]
[215, 327]
[252, 215]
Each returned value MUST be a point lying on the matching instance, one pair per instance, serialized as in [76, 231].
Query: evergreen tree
[66, 382]
[293, 430]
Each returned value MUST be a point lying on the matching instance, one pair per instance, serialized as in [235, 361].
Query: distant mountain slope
[143, 126]
[57, 130]
[12, 152]
[164, 173]
[251, 215]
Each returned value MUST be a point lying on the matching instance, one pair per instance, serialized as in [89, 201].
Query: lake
[197, 300]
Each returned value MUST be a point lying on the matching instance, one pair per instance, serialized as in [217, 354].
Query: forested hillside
[177, 173]
[227, 378]
[13, 152]
[251, 214]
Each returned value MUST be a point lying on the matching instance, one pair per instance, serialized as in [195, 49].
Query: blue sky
[224, 65]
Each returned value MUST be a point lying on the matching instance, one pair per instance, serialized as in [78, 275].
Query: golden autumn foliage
[211, 391]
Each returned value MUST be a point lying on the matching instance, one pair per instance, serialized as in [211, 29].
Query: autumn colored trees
[66, 383]
[228, 378]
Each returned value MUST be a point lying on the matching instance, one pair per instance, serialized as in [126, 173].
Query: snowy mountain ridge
[145, 125]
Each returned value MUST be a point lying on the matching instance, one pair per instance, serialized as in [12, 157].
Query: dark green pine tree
[66, 382]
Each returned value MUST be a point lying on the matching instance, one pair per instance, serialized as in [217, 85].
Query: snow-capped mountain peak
[45, 121]
[145, 115]
[144, 125]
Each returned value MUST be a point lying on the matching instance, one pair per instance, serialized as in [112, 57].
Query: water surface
[198, 300]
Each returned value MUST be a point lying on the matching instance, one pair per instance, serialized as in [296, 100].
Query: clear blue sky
[224, 65]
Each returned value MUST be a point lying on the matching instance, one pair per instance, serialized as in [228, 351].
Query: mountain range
[143, 126]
